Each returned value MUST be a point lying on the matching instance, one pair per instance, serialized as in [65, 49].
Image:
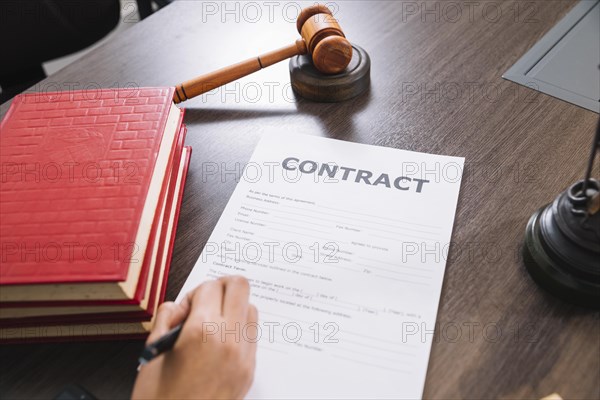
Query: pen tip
[142, 362]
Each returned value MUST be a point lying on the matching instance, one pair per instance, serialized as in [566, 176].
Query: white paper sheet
[346, 264]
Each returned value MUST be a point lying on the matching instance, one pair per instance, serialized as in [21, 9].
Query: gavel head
[330, 50]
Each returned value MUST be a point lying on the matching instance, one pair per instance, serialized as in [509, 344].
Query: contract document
[345, 247]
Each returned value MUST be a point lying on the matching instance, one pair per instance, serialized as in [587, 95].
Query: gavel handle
[213, 80]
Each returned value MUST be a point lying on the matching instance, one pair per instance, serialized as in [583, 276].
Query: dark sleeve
[36, 31]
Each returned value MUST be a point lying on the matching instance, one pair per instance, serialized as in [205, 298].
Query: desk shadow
[213, 115]
[336, 120]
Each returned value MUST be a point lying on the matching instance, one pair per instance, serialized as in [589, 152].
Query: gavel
[322, 38]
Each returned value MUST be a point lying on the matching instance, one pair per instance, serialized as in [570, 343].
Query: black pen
[164, 343]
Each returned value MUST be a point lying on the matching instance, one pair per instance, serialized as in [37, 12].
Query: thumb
[167, 317]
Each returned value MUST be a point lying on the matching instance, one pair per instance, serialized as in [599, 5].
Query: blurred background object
[39, 37]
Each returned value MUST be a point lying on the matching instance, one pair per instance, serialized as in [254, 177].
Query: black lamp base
[562, 248]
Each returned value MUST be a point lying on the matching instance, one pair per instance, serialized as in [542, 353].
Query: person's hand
[206, 362]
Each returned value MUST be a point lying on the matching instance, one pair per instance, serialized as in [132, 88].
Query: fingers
[168, 316]
[252, 314]
[222, 300]
[186, 302]
[207, 301]
[251, 338]
[252, 333]
[235, 301]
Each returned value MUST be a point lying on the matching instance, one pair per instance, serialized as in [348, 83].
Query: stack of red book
[90, 188]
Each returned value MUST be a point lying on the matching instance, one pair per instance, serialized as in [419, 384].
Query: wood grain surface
[436, 88]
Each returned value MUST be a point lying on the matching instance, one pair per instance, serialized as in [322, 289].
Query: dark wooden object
[436, 88]
[312, 85]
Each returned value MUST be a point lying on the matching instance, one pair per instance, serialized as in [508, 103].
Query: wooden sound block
[313, 85]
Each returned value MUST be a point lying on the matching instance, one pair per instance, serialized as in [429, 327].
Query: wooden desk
[436, 87]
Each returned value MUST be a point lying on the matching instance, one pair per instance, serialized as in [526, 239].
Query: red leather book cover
[173, 162]
[172, 159]
[159, 278]
[120, 330]
[76, 168]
